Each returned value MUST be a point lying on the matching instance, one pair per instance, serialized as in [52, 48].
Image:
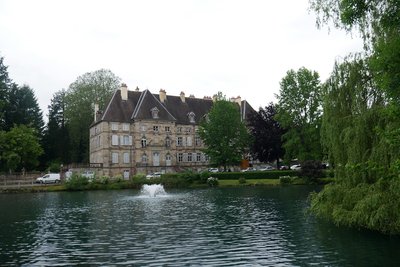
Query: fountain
[153, 190]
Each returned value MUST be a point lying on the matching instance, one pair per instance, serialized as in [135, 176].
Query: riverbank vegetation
[176, 180]
[361, 119]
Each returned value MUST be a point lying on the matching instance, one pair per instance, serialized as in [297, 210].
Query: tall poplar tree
[56, 137]
[5, 85]
[299, 112]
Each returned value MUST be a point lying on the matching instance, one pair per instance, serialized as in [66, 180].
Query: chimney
[182, 96]
[124, 92]
[238, 100]
[96, 109]
[191, 96]
[163, 95]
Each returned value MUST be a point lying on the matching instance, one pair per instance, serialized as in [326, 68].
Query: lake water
[213, 227]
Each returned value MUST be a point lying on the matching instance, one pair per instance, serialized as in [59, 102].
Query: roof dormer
[154, 112]
[191, 117]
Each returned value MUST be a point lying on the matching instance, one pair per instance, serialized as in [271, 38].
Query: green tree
[299, 112]
[224, 134]
[267, 134]
[378, 21]
[56, 138]
[90, 88]
[361, 118]
[23, 108]
[5, 85]
[362, 137]
[20, 148]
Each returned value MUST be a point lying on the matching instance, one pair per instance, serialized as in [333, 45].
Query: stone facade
[141, 132]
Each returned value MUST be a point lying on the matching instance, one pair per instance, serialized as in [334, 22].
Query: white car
[153, 175]
[50, 178]
[213, 170]
[249, 169]
[267, 168]
[296, 167]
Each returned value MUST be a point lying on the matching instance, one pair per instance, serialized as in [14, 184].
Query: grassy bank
[169, 181]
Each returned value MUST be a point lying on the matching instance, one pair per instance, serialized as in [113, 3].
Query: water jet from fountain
[153, 190]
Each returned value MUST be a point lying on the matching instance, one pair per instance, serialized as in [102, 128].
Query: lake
[247, 226]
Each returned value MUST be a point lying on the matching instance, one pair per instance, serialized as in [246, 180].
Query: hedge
[253, 175]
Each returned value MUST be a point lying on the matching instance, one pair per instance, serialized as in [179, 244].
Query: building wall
[112, 142]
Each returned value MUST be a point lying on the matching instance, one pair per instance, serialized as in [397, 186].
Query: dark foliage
[267, 134]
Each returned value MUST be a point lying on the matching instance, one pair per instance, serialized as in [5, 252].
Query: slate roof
[139, 105]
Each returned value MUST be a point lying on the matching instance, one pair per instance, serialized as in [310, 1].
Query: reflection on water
[241, 226]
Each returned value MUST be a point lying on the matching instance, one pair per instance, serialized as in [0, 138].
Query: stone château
[141, 132]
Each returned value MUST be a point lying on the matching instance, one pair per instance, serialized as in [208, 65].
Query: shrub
[254, 175]
[212, 181]
[118, 178]
[311, 171]
[285, 180]
[54, 167]
[190, 176]
[103, 180]
[242, 180]
[77, 182]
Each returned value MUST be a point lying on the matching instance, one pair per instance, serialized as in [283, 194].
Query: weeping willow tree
[361, 121]
[360, 133]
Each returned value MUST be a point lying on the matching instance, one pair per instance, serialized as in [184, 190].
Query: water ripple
[218, 227]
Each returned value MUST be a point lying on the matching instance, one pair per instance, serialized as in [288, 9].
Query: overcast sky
[200, 47]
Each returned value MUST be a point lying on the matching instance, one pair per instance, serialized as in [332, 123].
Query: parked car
[267, 168]
[50, 178]
[213, 170]
[249, 169]
[153, 175]
[296, 167]
[284, 167]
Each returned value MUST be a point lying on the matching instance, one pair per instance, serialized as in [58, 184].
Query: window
[154, 113]
[179, 141]
[167, 129]
[206, 157]
[126, 140]
[126, 157]
[114, 126]
[188, 130]
[189, 141]
[114, 157]
[198, 157]
[179, 129]
[180, 157]
[189, 157]
[191, 117]
[144, 142]
[198, 140]
[144, 158]
[168, 160]
[114, 140]
[125, 127]
[143, 128]
[167, 142]
[156, 159]
[155, 128]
